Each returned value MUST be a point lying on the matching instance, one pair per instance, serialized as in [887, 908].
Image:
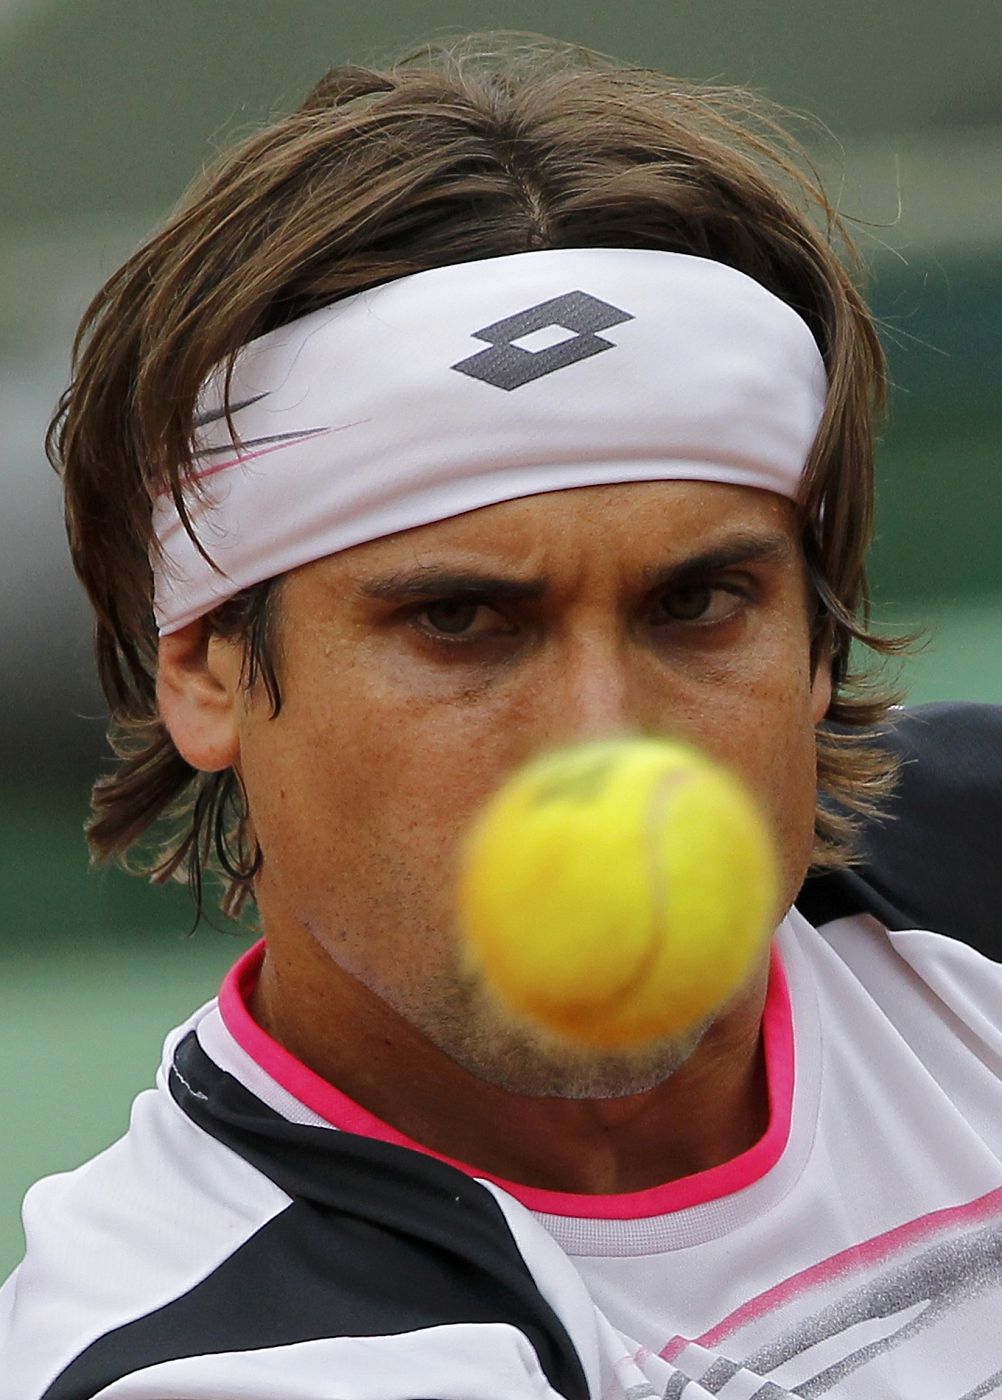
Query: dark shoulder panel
[377, 1240]
[935, 861]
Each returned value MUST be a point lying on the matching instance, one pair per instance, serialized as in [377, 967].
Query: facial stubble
[463, 1017]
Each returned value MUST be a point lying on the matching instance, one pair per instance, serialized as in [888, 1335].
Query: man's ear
[821, 686]
[199, 693]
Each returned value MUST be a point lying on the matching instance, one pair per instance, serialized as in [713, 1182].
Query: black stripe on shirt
[378, 1240]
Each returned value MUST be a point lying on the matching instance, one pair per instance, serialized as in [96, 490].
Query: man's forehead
[636, 529]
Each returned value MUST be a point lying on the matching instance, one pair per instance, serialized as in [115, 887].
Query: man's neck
[714, 1107]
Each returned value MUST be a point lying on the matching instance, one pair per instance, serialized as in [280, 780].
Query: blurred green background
[108, 107]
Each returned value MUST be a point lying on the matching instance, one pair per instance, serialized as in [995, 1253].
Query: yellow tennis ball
[615, 893]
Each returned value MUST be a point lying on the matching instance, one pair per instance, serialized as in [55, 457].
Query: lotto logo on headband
[508, 365]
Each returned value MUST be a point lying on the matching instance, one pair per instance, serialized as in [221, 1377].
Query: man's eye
[451, 617]
[699, 602]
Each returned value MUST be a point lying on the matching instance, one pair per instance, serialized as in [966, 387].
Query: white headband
[481, 382]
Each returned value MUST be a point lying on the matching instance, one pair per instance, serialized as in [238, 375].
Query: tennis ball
[617, 892]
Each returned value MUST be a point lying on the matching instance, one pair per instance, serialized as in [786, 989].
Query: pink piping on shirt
[858, 1257]
[341, 1112]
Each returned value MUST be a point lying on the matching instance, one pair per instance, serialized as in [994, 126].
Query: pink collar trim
[341, 1112]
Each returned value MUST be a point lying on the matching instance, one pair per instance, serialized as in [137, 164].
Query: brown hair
[458, 154]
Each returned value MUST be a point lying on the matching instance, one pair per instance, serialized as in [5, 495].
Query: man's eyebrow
[743, 548]
[427, 581]
[430, 582]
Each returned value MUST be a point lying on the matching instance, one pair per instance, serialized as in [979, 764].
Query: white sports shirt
[234, 1246]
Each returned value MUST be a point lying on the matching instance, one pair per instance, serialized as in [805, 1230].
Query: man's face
[418, 671]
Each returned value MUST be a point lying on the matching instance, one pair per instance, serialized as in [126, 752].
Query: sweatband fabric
[482, 382]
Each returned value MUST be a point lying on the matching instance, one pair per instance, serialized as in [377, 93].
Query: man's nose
[596, 692]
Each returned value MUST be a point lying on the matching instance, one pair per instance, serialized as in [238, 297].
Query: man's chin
[537, 1066]
[463, 1020]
